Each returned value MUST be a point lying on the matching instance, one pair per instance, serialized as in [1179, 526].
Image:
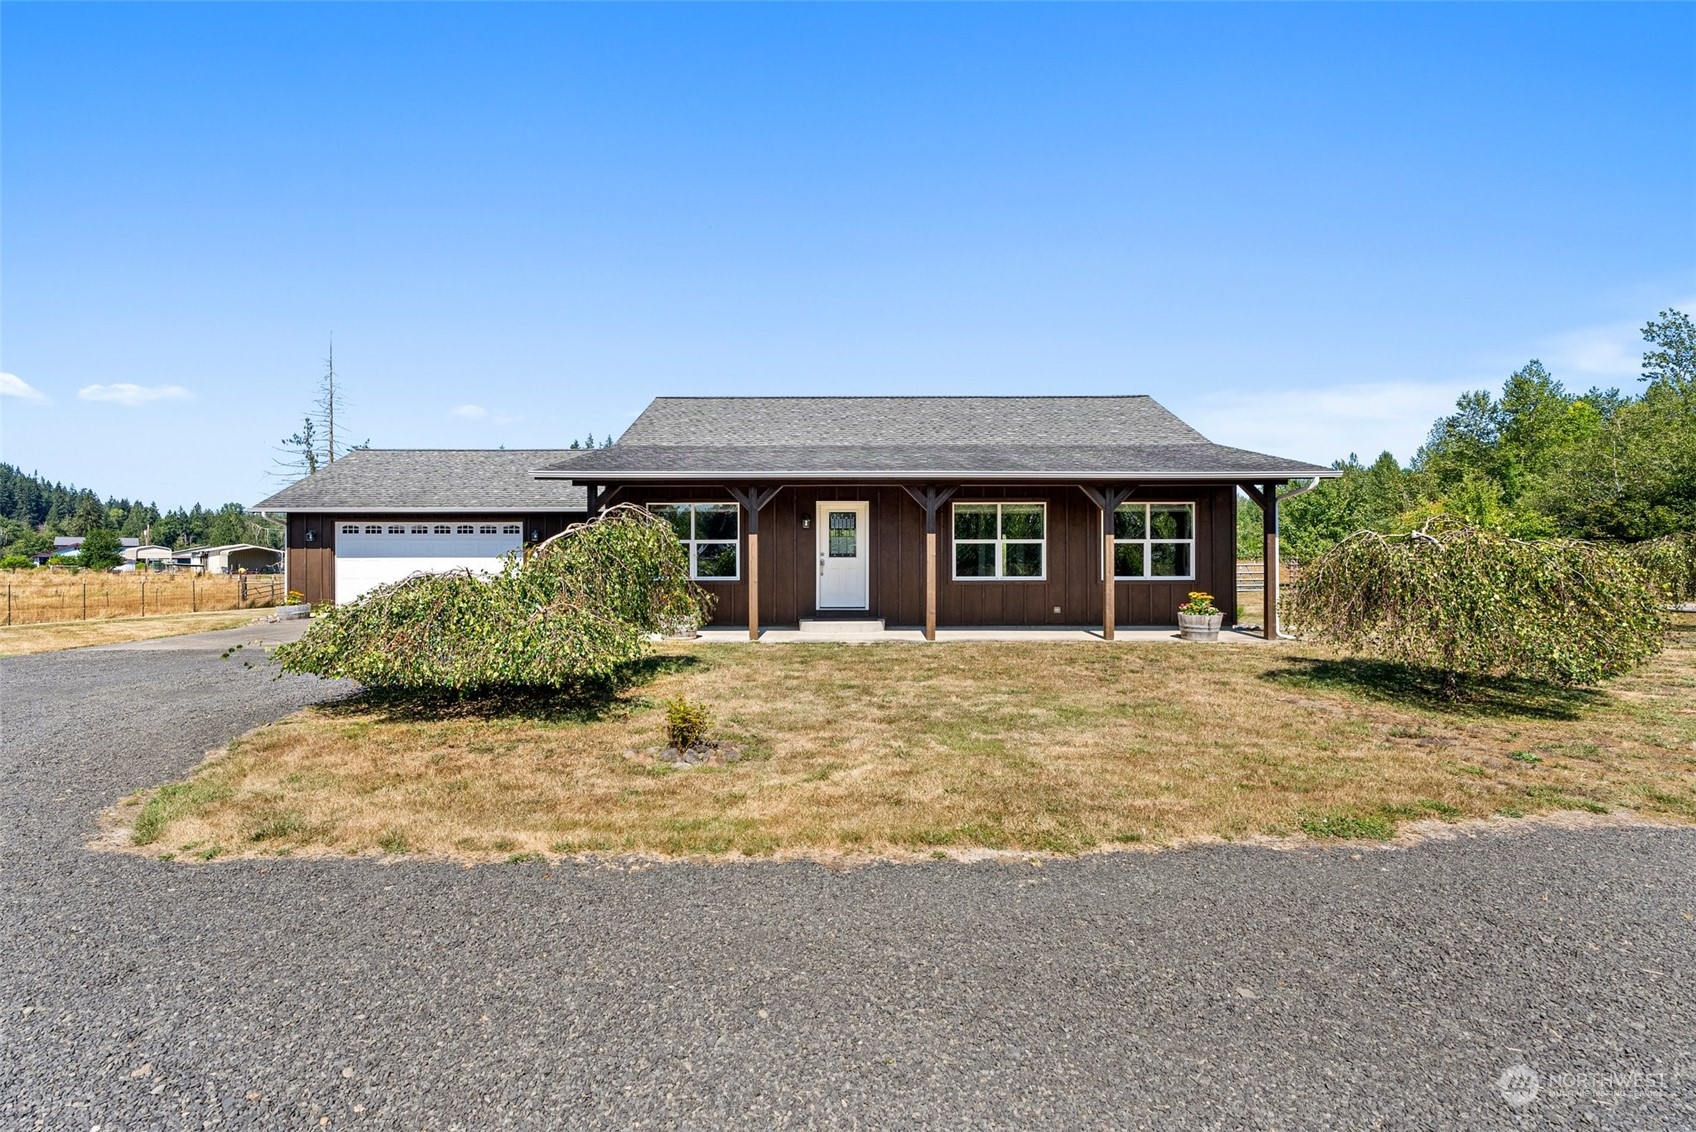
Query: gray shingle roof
[887, 437]
[433, 479]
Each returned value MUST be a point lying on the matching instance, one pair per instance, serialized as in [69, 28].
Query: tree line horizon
[1535, 461]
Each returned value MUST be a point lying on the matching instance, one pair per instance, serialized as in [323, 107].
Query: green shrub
[686, 723]
[16, 562]
[1460, 599]
[576, 612]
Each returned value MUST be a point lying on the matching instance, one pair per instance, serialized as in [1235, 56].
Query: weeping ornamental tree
[1670, 562]
[1461, 600]
[579, 609]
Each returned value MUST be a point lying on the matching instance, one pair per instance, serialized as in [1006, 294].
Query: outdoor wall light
[806, 523]
[311, 535]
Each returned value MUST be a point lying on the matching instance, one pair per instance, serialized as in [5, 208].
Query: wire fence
[97, 597]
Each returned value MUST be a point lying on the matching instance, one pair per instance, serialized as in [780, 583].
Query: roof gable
[721, 438]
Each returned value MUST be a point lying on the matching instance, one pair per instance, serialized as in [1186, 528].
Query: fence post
[193, 604]
[8, 603]
[144, 597]
[85, 601]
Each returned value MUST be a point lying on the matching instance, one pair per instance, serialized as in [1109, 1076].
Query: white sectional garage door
[371, 553]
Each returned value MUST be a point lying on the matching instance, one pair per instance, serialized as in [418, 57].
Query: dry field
[892, 749]
[27, 640]
[34, 597]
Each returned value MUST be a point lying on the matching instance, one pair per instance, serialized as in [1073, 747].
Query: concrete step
[841, 625]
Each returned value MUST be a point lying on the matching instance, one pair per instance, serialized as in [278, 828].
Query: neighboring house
[377, 515]
[64, 546]
[939, 510]
[231, 558]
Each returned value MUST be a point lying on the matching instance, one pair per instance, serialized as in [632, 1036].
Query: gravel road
[1228, 988]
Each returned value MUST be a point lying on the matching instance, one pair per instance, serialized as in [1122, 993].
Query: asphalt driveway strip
[1226, 987]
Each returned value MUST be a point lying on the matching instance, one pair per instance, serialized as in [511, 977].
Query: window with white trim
[1154, 540]
[373, 528]
[420, 528]
[443, 529]
[711, 532]
[512, 529]
[350, 528]
[1000, 540]
[466, 529]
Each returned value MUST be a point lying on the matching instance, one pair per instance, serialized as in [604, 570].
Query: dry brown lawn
[897, 749]
[26, 640]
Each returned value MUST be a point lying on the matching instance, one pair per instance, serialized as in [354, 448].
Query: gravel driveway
[1220, 988]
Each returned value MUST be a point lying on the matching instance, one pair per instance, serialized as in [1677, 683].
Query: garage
[378, 515]
[370, 553]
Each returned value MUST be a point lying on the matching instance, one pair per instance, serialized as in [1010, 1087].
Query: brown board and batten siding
[1070, 594]
[311, 562]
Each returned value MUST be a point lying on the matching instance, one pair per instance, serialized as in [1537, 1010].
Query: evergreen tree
[100, 550]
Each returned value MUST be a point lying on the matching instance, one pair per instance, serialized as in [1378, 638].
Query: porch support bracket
[930, 499]
[1107, 498]
[752, 499]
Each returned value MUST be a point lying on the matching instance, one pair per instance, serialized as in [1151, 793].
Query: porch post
[1109, 614]
[1108, 499]
[1269, 590]
[752, 499]
[930, 500]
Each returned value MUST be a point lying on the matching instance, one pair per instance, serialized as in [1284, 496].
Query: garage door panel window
[712, 535]
[1154, 540]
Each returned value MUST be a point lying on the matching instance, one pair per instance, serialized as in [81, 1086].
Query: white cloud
[11, 385]
[470, 411]
[1611, 353]
[128, 393]
[1327, 423]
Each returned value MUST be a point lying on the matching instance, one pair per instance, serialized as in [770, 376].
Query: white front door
[844, 556]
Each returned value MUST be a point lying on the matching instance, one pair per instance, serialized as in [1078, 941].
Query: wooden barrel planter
[1200, 626]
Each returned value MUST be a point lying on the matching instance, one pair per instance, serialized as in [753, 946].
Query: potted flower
[1199, 619]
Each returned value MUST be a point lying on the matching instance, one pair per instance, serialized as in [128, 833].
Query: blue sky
[1303, 228]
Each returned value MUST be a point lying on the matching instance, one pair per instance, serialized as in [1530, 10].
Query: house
[65, 546]
[377, 515]
[230, 558]
[919, 511]
[956, 511]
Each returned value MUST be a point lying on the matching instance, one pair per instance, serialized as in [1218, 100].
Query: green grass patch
[169, 803]
[1349, 827]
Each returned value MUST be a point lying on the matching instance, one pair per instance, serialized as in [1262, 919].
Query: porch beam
[930, 499]
[1108, 499]
[752, 500]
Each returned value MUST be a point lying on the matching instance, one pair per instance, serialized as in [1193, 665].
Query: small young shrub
[686, 723]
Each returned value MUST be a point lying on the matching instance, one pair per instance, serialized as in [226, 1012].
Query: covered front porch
[1076, 559]
[1013, 634]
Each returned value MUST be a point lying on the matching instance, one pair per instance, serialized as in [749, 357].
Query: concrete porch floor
[783, 634]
